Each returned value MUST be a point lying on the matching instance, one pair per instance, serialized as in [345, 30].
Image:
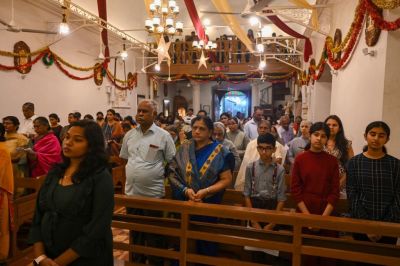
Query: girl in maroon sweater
[315, 182]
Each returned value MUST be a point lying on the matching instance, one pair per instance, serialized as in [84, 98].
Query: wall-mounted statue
[23, 58]
[336, 42]
[372, 32]
[98, 75]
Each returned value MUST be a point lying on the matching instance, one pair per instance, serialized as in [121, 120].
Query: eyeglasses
[265, 149]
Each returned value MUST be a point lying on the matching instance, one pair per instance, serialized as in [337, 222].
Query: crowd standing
[199, 158]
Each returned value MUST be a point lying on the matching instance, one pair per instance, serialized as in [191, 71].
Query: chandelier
[163, 18]
[202, 45]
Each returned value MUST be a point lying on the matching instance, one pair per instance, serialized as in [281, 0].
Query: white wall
[320, 101]
[48, 88]
[391, 96]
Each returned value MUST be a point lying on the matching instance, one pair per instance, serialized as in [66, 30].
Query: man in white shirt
[250, 128]
[146, 148]
[189, 116]
[26, 127]
[252, 155]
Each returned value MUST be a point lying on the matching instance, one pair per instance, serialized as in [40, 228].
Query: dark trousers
[383, 240]
[146, 239]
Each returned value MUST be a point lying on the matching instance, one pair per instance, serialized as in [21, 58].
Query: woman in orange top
[6, 192]
[113, 134]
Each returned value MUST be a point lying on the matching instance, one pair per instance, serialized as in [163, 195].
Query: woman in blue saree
[200, 172]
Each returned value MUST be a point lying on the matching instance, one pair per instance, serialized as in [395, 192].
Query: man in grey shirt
[146, 149]
[298, 144]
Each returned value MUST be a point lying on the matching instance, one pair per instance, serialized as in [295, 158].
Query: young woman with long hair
[74, 208]
[315, 183]
[373, 183]
[338, 145]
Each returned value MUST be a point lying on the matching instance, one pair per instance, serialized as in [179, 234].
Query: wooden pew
[235, 198]
[119, 178]
[294, 242]
[24, 208]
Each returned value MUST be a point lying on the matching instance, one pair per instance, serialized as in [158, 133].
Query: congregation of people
[199, 158]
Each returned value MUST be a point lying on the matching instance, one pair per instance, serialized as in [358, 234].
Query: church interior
[296, 58]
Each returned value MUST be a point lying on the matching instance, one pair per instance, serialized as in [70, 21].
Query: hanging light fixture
[262, 65]
[124, 53]
[64, 27]
[163, 18]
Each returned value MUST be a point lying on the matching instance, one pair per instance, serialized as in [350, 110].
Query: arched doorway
[235, 101]
[180, 105]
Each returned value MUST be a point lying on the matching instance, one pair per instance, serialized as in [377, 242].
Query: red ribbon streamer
[196, 20]
[69, 74]
[102, 8]
[34, 61]
[281, 25]
[379, 20]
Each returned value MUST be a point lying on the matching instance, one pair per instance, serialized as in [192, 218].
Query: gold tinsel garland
[72, 66]
[61, 60]
[387, 4]
[343, 44]
[116, 79]
[11, 54]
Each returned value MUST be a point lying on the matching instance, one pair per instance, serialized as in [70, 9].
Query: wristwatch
[36, 262]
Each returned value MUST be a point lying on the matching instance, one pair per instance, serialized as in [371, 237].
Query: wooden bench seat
[24, 208]
[234, 237]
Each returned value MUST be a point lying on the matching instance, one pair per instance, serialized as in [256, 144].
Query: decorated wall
[360, 86]
[52, 89]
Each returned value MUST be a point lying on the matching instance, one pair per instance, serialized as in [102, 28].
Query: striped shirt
[373, 188]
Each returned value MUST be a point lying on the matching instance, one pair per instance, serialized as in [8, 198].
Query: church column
[255, 95]
[196, 96]
[151, 92]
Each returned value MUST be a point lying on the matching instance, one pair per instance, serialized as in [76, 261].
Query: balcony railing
[233, 56]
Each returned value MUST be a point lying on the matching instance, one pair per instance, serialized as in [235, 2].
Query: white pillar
[255, 95]
[196, 96]
[151, 94]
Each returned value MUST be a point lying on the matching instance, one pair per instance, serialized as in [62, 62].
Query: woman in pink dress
[46, 149]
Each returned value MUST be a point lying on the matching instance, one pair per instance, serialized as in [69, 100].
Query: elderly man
[252, 155]
[146, 148]
[26, 128]
[250, 128]
[285, 131]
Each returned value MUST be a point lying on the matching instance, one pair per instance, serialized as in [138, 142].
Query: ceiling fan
[258, 8]
[12, 27]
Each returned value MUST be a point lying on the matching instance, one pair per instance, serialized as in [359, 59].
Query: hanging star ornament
[203, 60]
[162, 50]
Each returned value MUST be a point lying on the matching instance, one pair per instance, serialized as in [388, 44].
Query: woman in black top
[54, 120]
[72, 221]
[373, 184]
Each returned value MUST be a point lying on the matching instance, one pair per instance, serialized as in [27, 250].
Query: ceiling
[130, 15]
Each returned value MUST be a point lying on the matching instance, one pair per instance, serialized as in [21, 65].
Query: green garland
[48, 59]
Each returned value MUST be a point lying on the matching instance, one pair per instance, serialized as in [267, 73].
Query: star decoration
[203, 60]
[162, 50]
